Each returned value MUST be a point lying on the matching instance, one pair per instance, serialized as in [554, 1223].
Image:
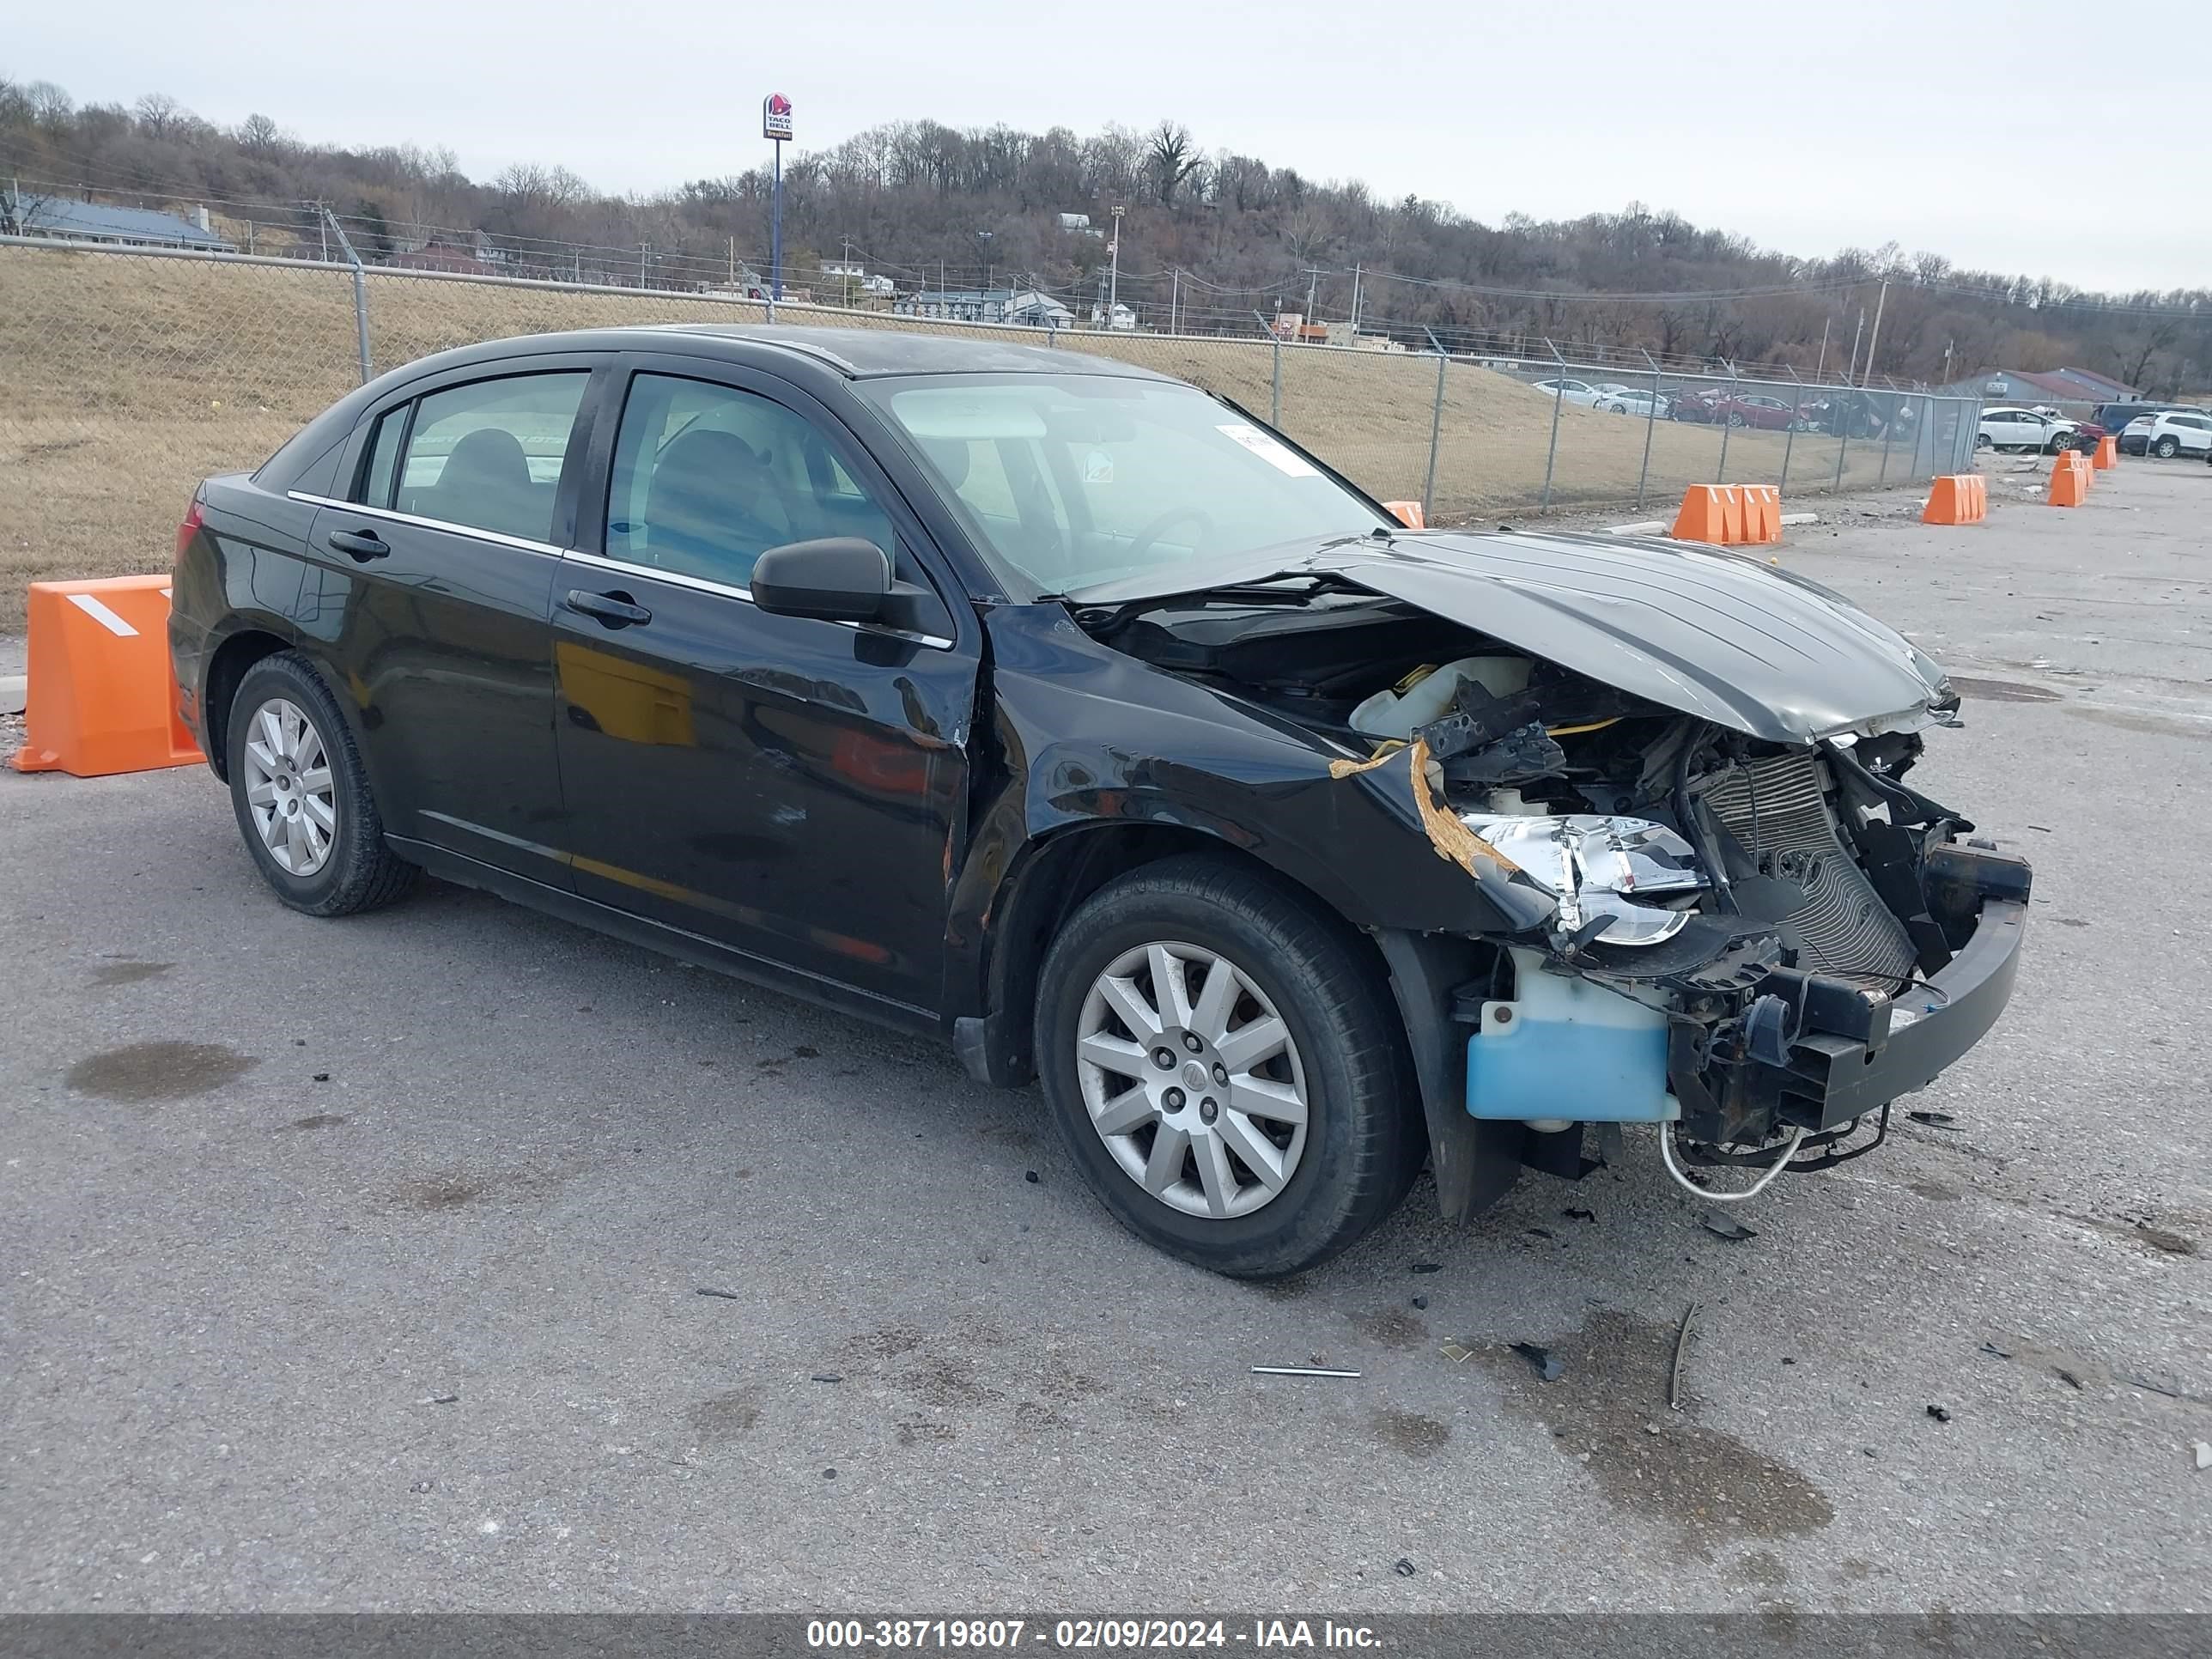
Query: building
[842, 277]
[2081, 387]
[69, 220]
[1034, 308]
[1078, 224]
[957, 305]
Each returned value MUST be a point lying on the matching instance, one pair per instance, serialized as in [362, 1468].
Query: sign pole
[775, 127]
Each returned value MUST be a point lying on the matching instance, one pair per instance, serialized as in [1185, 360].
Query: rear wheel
[301, 795]
[2167, 447]
[1226, 1069]
[1982, 441]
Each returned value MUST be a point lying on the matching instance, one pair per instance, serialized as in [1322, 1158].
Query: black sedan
[1070, 712]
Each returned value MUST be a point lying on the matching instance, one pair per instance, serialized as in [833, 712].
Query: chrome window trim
[596, 561]
[497, 537]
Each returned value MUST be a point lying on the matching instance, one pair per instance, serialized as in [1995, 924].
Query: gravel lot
[358, 1265]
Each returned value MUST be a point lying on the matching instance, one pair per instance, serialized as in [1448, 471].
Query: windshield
[1069, 481]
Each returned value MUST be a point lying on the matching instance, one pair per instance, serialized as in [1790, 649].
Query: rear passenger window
[384, 457]
[708, 477]
[488, 455]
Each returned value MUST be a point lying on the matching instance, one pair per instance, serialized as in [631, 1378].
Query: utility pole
[1823, 360]
[847, 262]
[1114, 276]
[1174, 296]
[1851, 373]
[643, 250]
[1355, 302]
[1312, 277]
[733, 262]
[1875, 338]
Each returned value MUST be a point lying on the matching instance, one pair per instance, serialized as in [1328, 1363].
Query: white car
[1570, 391]
[2025, 428]
[2173, 432]
[1627, 400]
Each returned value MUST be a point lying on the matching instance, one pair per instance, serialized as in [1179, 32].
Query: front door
[431, 583]
[789, 788]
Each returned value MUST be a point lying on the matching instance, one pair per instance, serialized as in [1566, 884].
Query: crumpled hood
[1742, 643]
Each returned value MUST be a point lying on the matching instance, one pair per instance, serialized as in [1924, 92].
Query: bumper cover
[1819, 1053]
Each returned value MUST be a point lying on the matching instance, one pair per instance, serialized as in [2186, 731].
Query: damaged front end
[1752, 936]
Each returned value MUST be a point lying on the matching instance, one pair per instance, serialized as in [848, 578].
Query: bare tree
[161, 116]
[1171, 159]
[258, 135]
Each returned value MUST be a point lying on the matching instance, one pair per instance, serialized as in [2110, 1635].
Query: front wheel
[2166, 448]
[302, 797]
[1225, 1068]
[1982, 441]
[1738, 421]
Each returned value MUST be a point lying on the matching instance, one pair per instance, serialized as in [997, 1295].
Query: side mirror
[836, 579]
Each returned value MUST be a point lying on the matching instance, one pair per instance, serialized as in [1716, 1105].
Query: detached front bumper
[1817, 1052]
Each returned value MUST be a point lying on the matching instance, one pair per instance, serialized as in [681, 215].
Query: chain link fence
[126, 375]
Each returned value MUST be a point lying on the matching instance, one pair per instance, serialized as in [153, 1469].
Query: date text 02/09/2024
[1085, 1635]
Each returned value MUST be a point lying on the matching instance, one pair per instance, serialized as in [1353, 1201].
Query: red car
[1717, 404]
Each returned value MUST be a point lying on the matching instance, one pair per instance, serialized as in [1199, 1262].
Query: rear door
[430, 594]
[791, 788]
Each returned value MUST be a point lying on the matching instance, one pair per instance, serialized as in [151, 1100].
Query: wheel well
[1058, 878]
[232, 659]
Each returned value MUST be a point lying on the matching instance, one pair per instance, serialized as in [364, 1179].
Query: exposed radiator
[1778, 810]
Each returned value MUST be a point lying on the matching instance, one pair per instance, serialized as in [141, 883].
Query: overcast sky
[2014, 136]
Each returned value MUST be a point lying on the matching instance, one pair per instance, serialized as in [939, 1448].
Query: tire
[1982, 440]
[2167, 447]
[322, 848]
[1363, 1141]
[1738, 421]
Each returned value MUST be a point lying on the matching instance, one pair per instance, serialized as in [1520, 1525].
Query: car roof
[856, 353]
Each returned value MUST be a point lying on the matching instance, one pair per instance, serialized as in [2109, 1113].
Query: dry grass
[123, 381]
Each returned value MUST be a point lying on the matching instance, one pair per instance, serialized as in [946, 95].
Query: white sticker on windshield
[1276, 455]
[1098, 468]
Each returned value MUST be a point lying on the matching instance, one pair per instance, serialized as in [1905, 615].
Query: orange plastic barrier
[1957, 498]
[1409, 514]
[101, 696]
[2069, 479]
[2107, 455]
[1729, 513]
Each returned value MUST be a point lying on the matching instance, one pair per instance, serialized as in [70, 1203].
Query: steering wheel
[1166, 521]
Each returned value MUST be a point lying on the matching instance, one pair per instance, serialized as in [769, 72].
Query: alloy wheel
[288, 788]
[1192, 1080]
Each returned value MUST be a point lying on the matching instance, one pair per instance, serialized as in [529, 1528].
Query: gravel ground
[360, 1265]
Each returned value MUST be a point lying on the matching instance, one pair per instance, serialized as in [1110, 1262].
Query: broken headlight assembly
[1599, 869]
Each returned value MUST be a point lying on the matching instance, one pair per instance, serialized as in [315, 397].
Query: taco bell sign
[775, 116]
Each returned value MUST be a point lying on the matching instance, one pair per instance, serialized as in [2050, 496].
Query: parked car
[1568, 392]
[1062, 710]
[1724, 405]
[1628, 400]
[2120, 418]
[2008, 429]
[2171, 433]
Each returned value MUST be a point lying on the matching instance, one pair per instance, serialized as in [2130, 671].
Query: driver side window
[706, 478]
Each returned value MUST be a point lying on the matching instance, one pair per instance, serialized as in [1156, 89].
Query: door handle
[612, 610]
[363, 545]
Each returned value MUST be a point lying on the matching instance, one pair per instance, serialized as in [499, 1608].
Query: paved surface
[275, 1187]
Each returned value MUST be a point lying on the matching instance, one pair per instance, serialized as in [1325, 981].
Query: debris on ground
[1031, 1175]
[1456, 1352]
[726, 1296]
[1940, 1413]
[322, 1077]
[1548, 1365]
[1682, 1347]
[2161, 1238]
[1298, 1370]
[1992, 1348]
[1728, 1227]
[1405, 1569]
[2066, 1376]
[1934, 1120]
[1428, 1267]
[2205, 1454]
[439, 1399]
[828, 1376]
[1541, 1232]
[1579, 1215]
[1421, 1302]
